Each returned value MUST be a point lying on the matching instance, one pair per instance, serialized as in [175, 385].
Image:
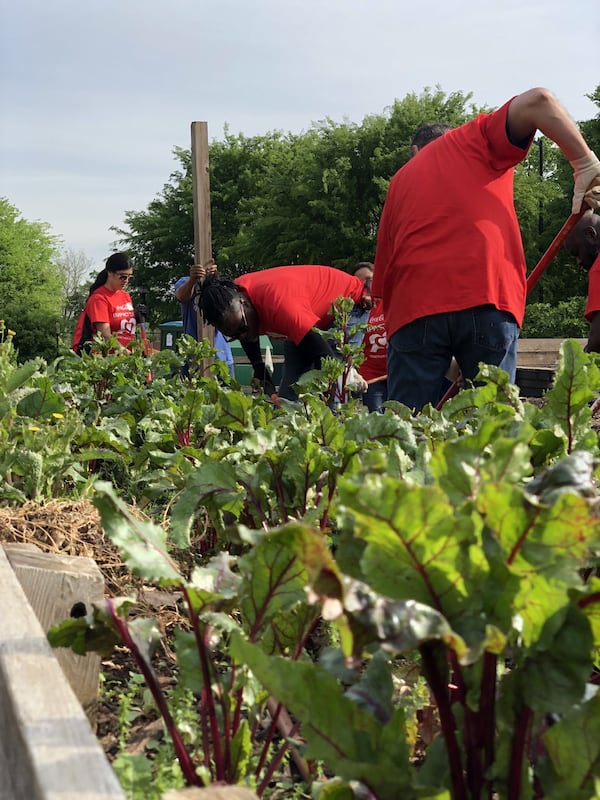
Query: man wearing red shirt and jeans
[449, 263]
[285, 303]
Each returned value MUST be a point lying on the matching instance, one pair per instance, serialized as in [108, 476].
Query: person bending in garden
[584, 244]
[109, 310]
[449, 262]
[285, 303]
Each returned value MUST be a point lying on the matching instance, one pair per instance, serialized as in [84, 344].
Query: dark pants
[419, 354]
[375, 396]
[294, 365]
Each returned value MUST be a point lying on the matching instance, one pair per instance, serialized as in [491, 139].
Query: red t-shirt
[448, 236]
[593, 298]
[374, 345]
[115, 308]
[293, 299]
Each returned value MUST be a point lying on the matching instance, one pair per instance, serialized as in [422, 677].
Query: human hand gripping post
[199, 272]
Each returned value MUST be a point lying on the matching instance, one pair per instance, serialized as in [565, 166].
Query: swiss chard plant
[461, 542]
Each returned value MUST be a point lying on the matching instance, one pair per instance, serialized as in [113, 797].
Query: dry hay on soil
[72, 528]
[68, 528]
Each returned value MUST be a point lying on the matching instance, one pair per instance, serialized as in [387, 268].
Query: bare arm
[184, 292]
[540, 109]
[103, 328]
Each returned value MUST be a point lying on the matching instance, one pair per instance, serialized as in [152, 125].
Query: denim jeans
[375, 396]
[420, 353]
[358, 316]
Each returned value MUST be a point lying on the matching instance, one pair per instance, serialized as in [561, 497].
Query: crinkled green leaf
[233, 412]
[463, 465]
[567, 410]
[42, 402]
[275, 579]
[417, 548]
[349, 739]
[213, 485]
[574, 748]
[561, 658]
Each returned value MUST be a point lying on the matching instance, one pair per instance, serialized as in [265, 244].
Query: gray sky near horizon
[95, 95]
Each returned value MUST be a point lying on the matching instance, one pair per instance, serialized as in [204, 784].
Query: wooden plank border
[47, 748]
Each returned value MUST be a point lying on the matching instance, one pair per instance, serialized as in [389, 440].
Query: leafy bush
[462, 542]
[563, 321]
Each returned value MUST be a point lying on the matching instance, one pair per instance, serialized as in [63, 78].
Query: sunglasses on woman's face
[124, 276]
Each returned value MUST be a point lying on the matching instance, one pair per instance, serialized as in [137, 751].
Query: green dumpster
[243, 370]
[169, 333]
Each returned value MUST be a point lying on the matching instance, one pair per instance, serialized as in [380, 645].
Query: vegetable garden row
[352, 572]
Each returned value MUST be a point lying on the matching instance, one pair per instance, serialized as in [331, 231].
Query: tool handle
[553, 249]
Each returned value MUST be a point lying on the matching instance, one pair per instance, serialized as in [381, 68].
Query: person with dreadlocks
[285, 303]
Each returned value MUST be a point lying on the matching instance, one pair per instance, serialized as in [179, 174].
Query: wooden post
[202, 225]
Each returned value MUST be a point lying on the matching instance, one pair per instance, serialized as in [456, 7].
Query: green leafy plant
[463, 539]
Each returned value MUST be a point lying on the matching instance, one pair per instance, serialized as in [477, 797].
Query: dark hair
[115, 263]
[216, 298]
[428, 133]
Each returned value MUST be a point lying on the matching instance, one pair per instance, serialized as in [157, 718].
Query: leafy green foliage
[563, 320]
[31, 286]
[461, 541]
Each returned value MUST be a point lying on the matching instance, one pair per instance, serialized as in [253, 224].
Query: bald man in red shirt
[449, 262]
[584, 244]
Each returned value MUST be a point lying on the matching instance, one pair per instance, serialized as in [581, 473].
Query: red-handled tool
[532, 278]
[553, 249]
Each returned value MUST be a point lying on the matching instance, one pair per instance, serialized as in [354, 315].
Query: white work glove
[355, 381]
[585, 169]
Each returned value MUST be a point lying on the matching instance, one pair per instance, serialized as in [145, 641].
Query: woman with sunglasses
[108, 309]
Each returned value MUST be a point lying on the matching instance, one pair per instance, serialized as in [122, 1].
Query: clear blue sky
[95, 94]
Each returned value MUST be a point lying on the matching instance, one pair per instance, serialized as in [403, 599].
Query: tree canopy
[316, 197]
[31, 283]
[313, 197]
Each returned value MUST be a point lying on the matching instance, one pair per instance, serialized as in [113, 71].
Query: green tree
[31, 284]
[316, 197]
[563, 279]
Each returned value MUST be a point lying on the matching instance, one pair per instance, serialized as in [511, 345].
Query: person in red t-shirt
[285, 303]
[374, 367]
[449, 262]
[584, 243]
[108, 309]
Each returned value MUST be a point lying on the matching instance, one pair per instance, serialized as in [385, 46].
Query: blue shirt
[189, 317]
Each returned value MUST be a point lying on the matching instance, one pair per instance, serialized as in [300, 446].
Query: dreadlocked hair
[216, 298]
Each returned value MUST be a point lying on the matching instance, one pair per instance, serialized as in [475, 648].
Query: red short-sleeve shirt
[448, 236]
[290, 300]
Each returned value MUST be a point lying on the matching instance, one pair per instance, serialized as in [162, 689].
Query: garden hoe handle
[533, 278]
[553, 249]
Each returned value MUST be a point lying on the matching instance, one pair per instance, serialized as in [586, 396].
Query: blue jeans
[358, 316]
[420, 353]
[375, 396]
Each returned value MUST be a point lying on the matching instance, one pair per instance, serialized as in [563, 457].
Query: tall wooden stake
[201, 196]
